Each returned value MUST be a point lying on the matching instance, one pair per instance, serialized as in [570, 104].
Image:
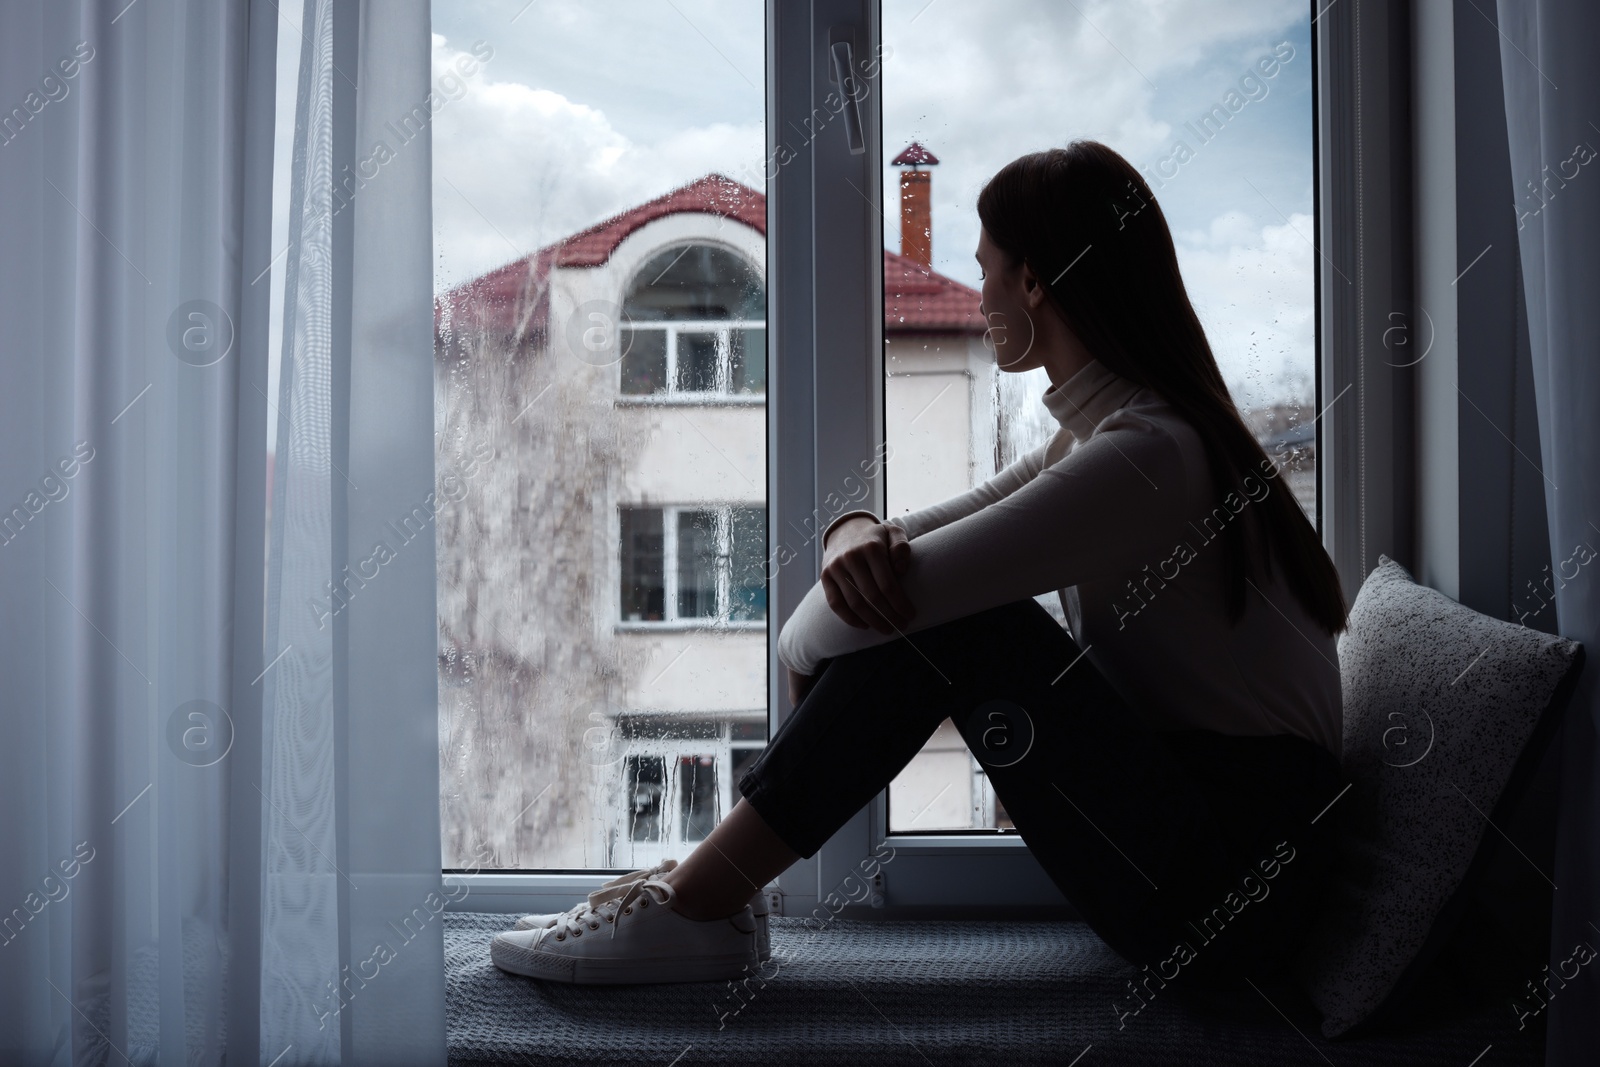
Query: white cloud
[517, 167]
[1250, 288]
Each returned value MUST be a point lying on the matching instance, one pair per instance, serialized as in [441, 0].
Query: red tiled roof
[919, 300]
[513, 301]
[711, 195]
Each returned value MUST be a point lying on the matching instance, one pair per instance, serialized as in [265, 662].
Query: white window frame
[825, 406]
[670, 566]
[723, 328]
[826, 416]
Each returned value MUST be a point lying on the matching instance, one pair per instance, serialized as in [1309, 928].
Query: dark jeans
[1158, 839]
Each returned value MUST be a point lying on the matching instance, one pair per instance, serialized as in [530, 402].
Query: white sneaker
[635, 938]
[619, 885]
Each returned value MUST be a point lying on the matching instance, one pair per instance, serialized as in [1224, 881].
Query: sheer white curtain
[218, 797]
[352, 898]
[1552, 90]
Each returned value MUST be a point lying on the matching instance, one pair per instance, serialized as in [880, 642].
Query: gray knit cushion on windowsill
[1446, 712]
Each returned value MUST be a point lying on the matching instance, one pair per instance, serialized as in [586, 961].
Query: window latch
[844, 77]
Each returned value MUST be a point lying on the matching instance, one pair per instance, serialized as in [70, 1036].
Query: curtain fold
[1552, 95]
[188, 797]
[353, 941]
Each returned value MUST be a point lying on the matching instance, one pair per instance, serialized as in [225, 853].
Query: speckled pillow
[1446, 712]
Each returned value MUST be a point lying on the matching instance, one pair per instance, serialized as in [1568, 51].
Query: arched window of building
[695, 325]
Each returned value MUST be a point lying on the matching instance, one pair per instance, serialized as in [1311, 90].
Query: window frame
[825, 250]
[671, 565]
[825, 416]
[723, 328]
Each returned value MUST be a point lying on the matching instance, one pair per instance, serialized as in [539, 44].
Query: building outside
[601, 512]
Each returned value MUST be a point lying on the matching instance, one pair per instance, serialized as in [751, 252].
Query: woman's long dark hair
[1126, 302]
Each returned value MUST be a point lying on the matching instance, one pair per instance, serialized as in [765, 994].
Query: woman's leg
[738, 857]
[758, 840]
[1142, 845]
[1191, 852]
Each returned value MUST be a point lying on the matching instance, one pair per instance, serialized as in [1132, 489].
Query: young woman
[1171, 761]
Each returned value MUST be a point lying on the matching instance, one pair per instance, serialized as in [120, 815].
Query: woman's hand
[861, 571]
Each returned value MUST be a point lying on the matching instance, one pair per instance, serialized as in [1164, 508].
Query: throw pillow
[1446, 713]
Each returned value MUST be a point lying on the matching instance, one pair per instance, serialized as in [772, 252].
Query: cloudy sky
[586, 109]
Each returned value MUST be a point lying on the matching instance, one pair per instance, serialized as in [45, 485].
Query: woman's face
[1010, 307]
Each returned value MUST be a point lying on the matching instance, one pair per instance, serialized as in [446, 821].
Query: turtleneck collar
[1080, 402]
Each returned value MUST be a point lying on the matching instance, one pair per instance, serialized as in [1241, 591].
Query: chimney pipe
[916, 211]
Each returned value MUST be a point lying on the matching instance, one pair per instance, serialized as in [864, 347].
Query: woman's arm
[1114, 504]
[861, 571]
[864, 558]
[919, 522]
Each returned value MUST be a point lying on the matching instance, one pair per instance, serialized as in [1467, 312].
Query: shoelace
[614, 889]
[617, 887]
[575, 921]
[584, 917]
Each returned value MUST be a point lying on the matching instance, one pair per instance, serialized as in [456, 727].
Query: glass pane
[646, 791]
[697, 362]
[697, 564]
[1216, 114]
[748, 362]
[697, 796]
[589, 197]
[644, 591]
[644, 362]
[747, 592]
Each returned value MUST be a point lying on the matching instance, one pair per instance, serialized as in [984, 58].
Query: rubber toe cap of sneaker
[519, 952]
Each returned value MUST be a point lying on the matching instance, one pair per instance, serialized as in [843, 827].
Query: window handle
[843, 66]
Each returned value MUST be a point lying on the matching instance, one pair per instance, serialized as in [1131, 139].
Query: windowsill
[693, 400]
[955, 842]
[682, 625]
[995, 874]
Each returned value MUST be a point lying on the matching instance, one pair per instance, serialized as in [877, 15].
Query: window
[608, 661]
[874, 304]
[600, 342]
[695, 327]
[693, 564]
[646, 789]
[680, 776]
[650, 804]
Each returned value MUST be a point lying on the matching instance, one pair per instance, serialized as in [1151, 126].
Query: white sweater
[1116, 515]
